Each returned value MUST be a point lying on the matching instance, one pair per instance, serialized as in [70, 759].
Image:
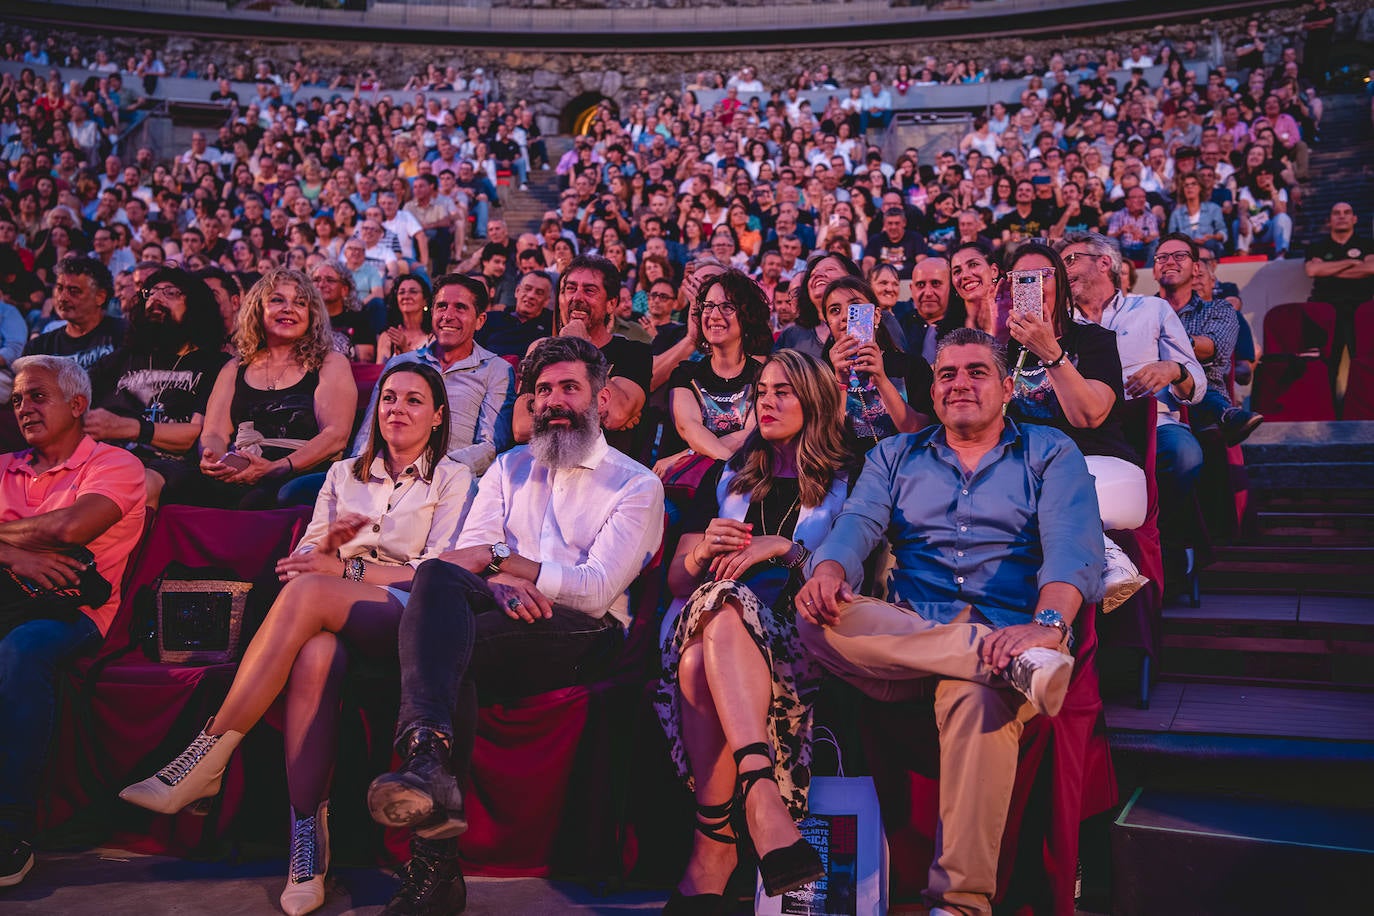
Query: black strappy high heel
[789, 867]
[711, 821]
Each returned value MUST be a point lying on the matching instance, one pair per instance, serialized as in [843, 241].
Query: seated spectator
[1156, 361]
[587, 288]
[1212, 326]
[886, 390]
[809, 331]
[1074, 385]
[896, 244]
[153, 390]
[443, 222]
[80, 292]
[977, 278]
[344, 589]
[1199, 219]
[710, 401]
[754, 514]
[979, 604]
[72, 512]
[480, 384]
[351, 330]
[368, 280]
[663, 331]
[409, 324]
[559, 529]
[510, 333]
[1134, 228]
[283, 407]
[1263, 207]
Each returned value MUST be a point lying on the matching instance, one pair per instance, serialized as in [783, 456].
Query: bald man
[920, 320]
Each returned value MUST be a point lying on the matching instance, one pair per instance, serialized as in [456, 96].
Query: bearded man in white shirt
[532, 599]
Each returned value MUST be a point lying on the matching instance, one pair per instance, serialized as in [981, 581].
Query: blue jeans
[1178, 464]
[480, 209]
[454, 640]
[30, 656]
[1209, 410]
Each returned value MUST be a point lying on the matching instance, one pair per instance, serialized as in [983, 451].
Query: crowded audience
[738, 317]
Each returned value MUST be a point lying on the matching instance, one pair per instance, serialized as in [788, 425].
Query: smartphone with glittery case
[1027, 291]
[860, 326]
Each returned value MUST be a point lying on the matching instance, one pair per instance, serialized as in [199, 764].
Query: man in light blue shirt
[997, 541]
[875, 104]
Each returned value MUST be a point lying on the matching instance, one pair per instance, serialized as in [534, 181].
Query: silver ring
[809, 602]
[512, 603]
[717, 540]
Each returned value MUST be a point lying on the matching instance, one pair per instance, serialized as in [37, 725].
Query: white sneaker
[309, 862]
[1043, 676]
[524, 187]
[1120, 579]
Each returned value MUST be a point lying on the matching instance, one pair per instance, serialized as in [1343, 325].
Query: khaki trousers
[886, 651]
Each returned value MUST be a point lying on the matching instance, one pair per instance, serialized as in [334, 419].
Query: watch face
[1049, 617]
[500, 551]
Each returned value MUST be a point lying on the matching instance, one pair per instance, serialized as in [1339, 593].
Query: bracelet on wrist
[146, 429]
[1058, 360]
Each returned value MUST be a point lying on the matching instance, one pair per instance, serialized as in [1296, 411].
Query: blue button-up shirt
[1025, 517]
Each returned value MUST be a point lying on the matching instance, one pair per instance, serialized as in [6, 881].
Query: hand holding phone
[860, 326]
[234, 460]
[1027, 292]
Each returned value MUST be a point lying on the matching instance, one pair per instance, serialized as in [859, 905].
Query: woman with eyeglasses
[709, 401]
[1068, 375]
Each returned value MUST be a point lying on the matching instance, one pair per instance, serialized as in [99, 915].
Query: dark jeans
[1178, 464]
[455, 641]
[31, 653]
[1208, 412]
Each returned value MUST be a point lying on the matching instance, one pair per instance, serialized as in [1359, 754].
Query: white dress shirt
[1148, 330]
[592, 527]
[412, 520]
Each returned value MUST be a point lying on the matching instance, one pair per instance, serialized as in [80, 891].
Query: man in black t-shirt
[1342, 270]
[83, 287]
[896, 245]
[511, 333]
[588, 287]
[150, 394]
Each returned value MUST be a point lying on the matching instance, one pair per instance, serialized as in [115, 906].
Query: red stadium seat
[1292, 380]
[1359, 389]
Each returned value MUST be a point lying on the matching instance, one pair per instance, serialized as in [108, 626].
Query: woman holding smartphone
[886, 391]
[1068, 375]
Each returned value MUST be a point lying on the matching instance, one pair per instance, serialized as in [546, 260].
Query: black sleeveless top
[284, 413]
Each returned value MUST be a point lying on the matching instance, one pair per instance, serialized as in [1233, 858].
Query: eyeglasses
[1178, 257]
[724, 308]
[1071, 259]
[164, 289]
[660, 297]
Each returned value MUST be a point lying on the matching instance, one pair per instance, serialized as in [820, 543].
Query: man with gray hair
[985, 519]
[532, 599]
[71, 512]
[1157, 361]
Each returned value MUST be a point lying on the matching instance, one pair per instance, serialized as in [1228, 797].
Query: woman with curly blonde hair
[283, 407]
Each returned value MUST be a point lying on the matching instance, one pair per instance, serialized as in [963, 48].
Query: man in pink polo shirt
[64, 494]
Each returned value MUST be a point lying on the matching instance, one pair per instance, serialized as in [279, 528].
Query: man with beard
[531, 600]
[83, 287]
[588, 289]
[151, 393]
[480, 384]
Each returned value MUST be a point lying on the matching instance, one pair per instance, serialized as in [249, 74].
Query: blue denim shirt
[1026, 516]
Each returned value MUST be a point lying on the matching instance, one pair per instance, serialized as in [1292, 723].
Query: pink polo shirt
[93, 468]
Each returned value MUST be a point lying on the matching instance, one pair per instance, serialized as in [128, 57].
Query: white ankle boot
[196, 773]
[309, 861]
[1120, 578]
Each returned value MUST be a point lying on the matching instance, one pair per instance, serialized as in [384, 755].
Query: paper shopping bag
[845, 827]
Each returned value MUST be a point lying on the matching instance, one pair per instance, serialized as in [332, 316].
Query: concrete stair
[523, 210]
[1340, 167]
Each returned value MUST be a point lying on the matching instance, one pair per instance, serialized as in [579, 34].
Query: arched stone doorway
[578, 113]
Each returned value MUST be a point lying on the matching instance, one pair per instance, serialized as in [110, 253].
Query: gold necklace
[763, 522]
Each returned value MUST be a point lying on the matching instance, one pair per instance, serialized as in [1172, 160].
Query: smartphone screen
[1027, 291]
[860, 327]
[235, 461]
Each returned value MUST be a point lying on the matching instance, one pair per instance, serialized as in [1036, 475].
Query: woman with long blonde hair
[283, 407]
[736, 691]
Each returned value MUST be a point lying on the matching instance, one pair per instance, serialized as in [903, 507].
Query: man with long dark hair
[151, 392]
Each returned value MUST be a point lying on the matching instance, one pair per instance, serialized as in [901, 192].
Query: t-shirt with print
[909, 373]
[88, 349]
[1092, 350]
[163, 389]
[1341, 291]
[724, 402]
